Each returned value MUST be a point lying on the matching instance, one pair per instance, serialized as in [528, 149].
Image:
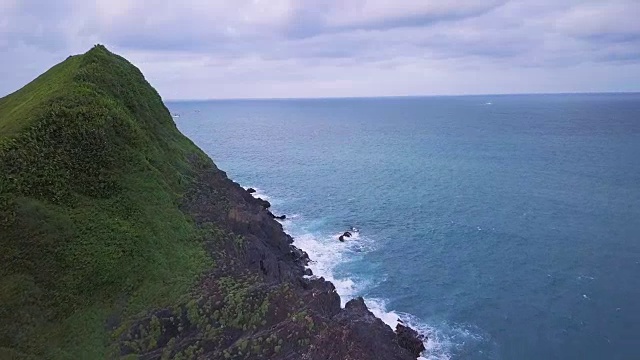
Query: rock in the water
[346, 234]
[341, 238]
[308, 272]
[251, 190]
[410, 339]
[281, 217]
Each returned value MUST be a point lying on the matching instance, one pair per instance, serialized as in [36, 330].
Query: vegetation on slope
[121, 239]
[92, 169]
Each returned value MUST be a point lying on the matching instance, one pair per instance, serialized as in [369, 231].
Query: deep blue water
[504, 227]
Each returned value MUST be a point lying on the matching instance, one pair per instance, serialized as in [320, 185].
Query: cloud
[49, 25]
[361, 14]
[606, 21]
[196, 25]
[260, 48]
[207, 22]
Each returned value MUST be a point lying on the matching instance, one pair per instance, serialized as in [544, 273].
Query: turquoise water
[504, 227]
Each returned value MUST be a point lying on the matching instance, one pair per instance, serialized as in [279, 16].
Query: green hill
[92, 168]
[121, 239]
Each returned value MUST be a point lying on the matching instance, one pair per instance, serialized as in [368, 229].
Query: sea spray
[327, 252]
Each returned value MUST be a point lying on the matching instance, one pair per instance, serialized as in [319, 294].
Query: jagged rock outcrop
[309, 308]
[278, 217]
[264, 203]
[409, 339]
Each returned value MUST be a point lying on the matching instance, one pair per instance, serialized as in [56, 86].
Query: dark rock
[346, 234]
[264, 203]
[308, 272]
[166, 319]
[363, 327]
[323, 297]
[251, 190]
[263, 268]
[258, 262]
[410, 339]
[299, 256]
[341, 238]
[281, 217]
[358, 306]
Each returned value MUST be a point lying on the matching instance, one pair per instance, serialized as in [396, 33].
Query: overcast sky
[202, 49]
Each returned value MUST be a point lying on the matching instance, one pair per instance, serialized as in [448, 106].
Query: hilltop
[121, 238]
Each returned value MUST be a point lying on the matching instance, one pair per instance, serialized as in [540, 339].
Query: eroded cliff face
[121, 238]
[255, 302]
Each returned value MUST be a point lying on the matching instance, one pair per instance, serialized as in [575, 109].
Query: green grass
[19, 108]
[92, 170]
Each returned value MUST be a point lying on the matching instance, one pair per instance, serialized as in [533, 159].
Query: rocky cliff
[121, 239]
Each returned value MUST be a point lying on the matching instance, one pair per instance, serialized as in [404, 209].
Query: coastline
[142, 248]
[258, 301]
[273, 253]
[347, 289]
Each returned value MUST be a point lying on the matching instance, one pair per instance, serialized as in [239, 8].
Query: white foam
[437, 345]
[378, 308]
[444, 338]
[325, 255]
[259, 194]
[327, 252]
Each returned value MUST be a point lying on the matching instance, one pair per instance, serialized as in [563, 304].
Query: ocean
[501, 226]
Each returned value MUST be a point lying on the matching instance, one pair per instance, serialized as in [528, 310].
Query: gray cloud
[332, 16]
[260, 48]
[33, 23]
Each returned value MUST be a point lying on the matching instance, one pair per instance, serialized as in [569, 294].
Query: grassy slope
[92, 169]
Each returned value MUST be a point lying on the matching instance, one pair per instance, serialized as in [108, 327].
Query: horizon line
[399, 96]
